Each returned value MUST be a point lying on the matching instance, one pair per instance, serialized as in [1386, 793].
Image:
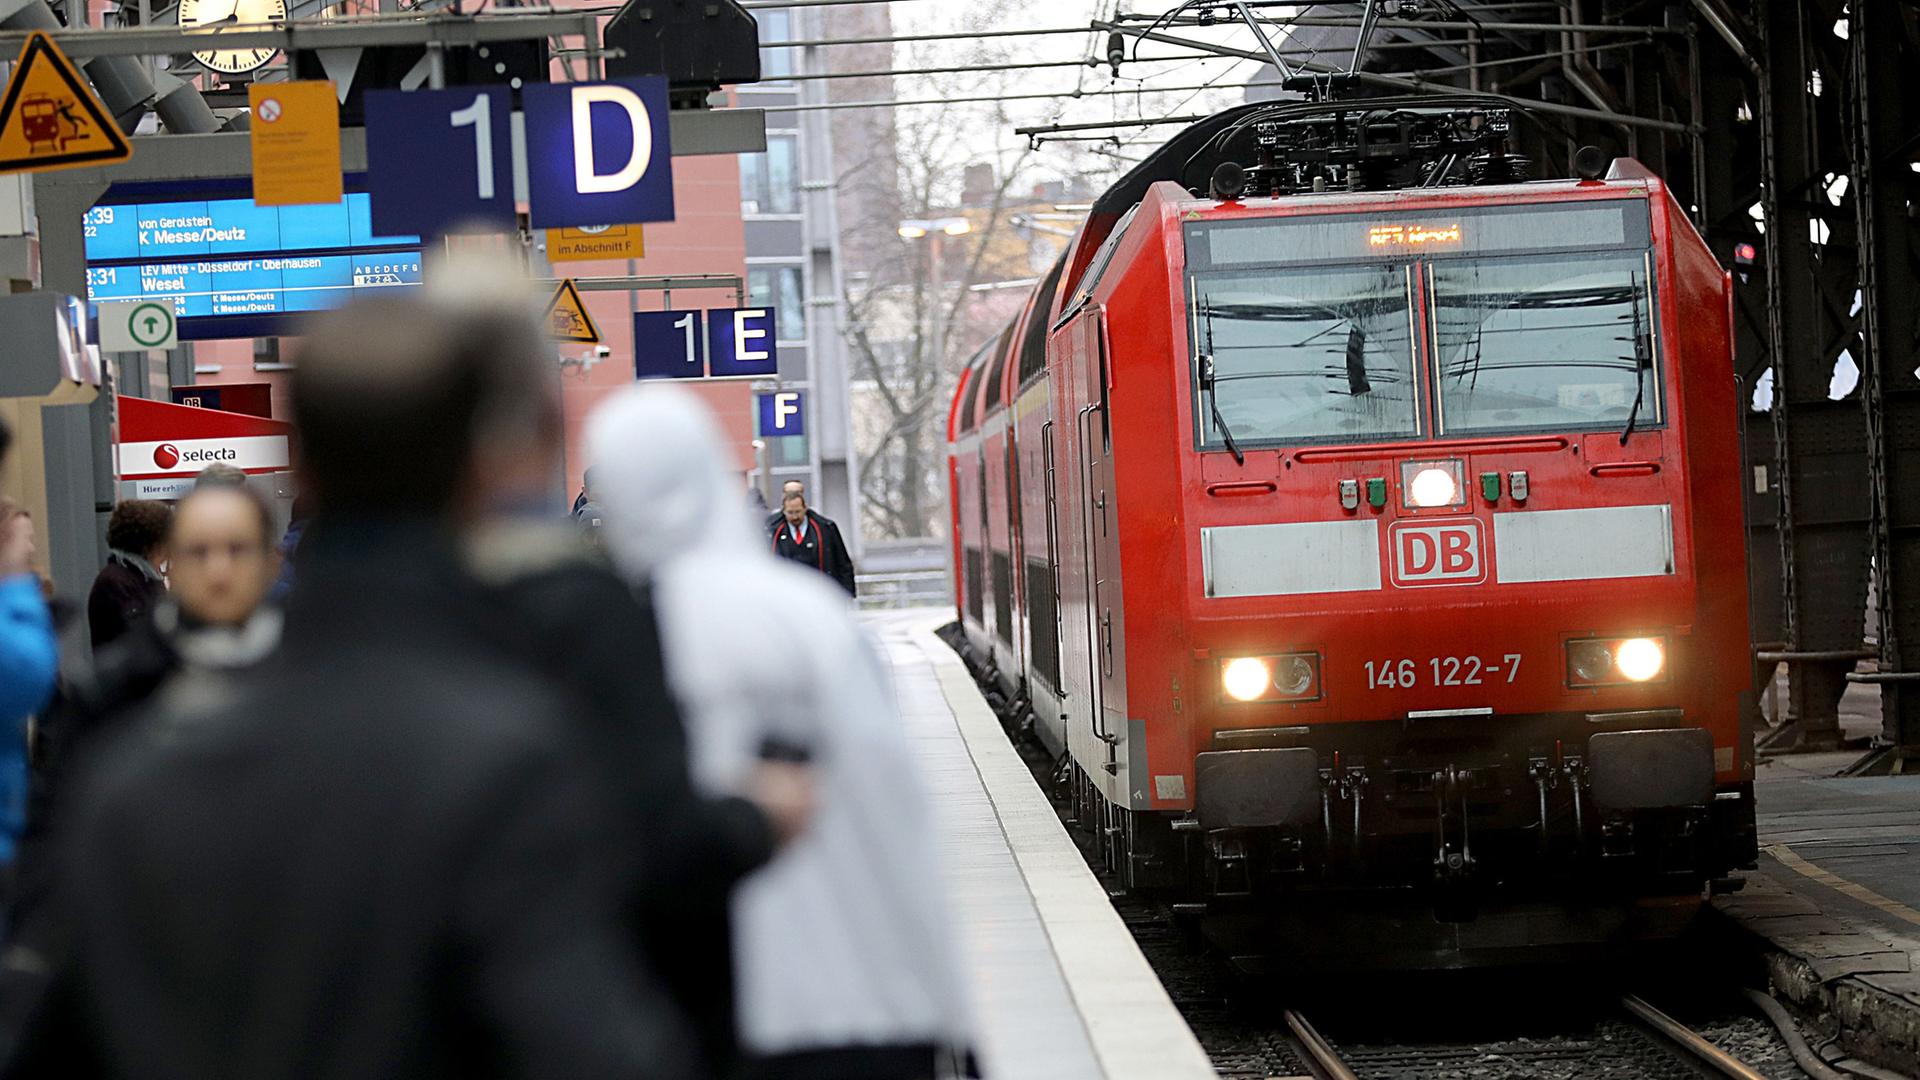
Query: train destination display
[230, 268]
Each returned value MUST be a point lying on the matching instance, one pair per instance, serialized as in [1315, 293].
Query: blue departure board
[234, 269]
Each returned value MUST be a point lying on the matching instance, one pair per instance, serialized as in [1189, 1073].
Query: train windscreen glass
[1539, 317]
[1324, 355]
[1543, 342]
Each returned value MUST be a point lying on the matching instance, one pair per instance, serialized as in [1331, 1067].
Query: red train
[1370, 527]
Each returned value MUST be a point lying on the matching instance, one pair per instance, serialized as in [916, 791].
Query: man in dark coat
[379, 854]
[808, 538]
[130, 584]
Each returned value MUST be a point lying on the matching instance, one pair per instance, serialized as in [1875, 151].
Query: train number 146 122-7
[1441, 671]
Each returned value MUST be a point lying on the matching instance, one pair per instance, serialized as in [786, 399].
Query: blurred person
[845, 959]
[586, 511]
[212, 623]
[28, 663]
[213, 619]
[563, 608]
[376, 854]
[220, 473]
[807, 538]
[289, 547]
[131, 582]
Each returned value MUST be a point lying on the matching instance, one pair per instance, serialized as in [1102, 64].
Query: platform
[1837, 895]
[1060, 990]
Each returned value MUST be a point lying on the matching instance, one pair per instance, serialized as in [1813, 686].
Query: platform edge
[1136, 1031]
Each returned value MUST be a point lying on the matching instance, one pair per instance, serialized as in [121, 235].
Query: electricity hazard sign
[50, 119]
[567, 318]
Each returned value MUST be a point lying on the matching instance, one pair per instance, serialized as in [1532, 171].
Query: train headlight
[1246, 678]
[1589, 661]
[1639, 659]
[1432, 483]
[1293, 676]
[1286, 677]
[1615, 661]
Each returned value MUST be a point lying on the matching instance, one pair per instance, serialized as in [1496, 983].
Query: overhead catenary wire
[1064, 94]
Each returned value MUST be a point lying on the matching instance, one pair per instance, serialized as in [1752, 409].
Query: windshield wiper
[1642, 364]
[1213, 403]
[1357, 381]
[1207, 381]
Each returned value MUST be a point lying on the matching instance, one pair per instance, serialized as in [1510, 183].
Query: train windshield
[1326, 327]
[1322, 354]
[1547, 341]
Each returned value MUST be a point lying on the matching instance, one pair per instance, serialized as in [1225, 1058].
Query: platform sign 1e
[740, 344]
[781, 413]
[669, 344]
[597, 152]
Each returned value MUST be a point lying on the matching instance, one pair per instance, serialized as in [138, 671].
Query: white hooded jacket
[843, 940]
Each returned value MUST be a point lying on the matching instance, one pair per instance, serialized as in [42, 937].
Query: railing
[905, 588]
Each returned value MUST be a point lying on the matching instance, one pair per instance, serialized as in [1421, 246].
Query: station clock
[212, 14]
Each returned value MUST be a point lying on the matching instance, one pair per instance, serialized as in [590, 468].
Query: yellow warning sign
[585, 242]
[567, 318]
[50, 119]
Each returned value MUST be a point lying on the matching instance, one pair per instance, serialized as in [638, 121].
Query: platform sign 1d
[441, 161]
[50, 118]
[781, 413]
[598, 152]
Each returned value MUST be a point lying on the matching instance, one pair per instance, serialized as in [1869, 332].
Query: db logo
[1442, 553]
[166, 455]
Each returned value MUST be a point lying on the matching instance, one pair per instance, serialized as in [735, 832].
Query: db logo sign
[166, 455]
[1438, 553]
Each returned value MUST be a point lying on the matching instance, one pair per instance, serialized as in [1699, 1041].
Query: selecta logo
[168, 456]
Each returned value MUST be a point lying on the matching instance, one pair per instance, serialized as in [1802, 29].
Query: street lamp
[933, 231]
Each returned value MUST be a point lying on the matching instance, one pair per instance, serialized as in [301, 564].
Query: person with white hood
[845, 962]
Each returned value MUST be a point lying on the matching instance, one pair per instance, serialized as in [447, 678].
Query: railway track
[1666, 1047]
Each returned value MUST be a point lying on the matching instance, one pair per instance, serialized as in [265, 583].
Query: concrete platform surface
[1060, 990]
[1836, 899]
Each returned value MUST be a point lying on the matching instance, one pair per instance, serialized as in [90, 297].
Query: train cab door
[1094, 432]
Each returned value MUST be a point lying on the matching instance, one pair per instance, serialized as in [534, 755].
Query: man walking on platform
[381, 854]
[800, 534]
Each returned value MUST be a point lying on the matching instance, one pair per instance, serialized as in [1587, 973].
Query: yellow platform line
[1839, 884]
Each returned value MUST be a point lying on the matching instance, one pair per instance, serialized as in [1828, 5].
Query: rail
[1326, 1062]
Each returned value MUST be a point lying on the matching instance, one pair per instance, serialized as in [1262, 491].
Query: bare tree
[912, 323]
[917, 309]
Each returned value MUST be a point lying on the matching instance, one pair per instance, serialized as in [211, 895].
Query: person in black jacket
[131, 582]
[563, 608]
[807, 538]
[380, 854]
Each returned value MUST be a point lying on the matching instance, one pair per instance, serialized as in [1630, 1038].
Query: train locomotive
[1358, 522]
